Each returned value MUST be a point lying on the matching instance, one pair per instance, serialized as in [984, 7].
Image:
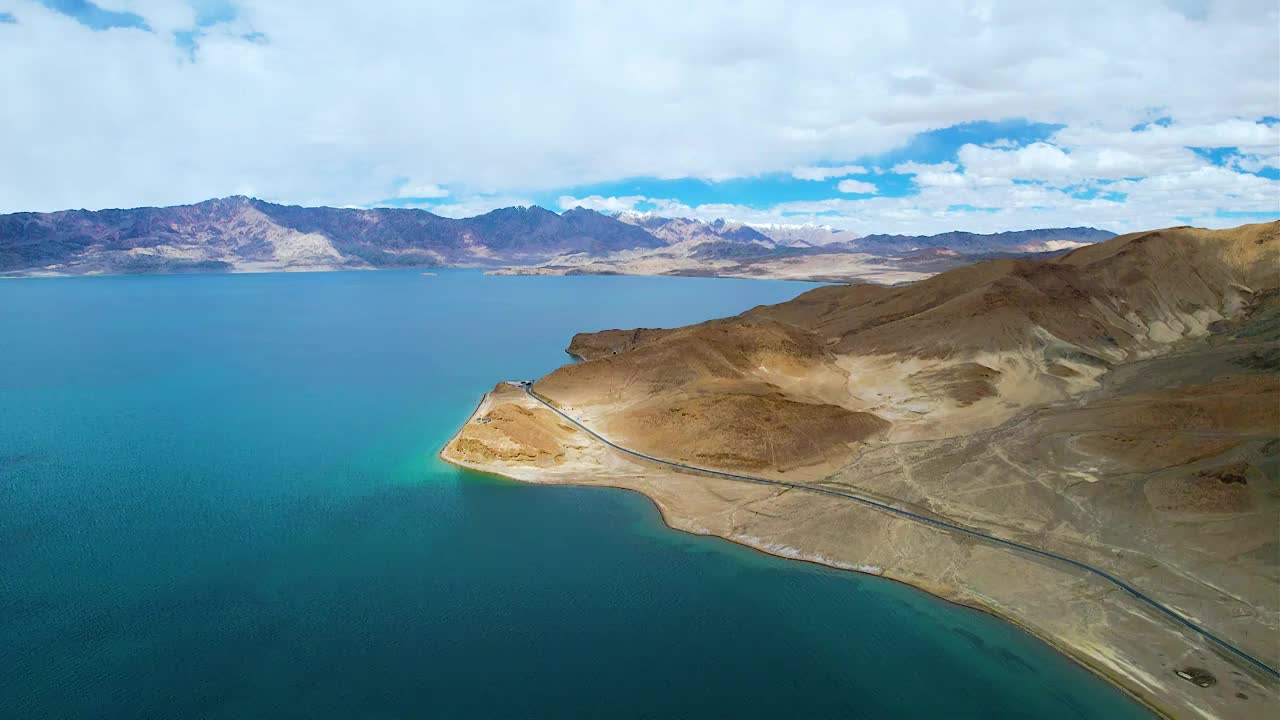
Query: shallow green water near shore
[219, 498]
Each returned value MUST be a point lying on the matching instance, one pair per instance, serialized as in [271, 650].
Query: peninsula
[1118, 406]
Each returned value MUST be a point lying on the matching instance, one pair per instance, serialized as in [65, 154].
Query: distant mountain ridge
[806, 235]
[967, 243]
[242, 234]
[246, 234]
[677, 230]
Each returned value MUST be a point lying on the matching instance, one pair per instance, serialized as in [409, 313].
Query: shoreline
[487, 270]
[757, 545]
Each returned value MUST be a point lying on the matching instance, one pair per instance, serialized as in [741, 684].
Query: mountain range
[242, 234]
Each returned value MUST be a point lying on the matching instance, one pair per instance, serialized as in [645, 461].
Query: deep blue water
[219, 498]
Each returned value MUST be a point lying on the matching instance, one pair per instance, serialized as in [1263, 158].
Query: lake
[220, 498]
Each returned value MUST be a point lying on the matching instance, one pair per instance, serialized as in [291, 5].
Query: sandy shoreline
[786, 553]
[683, 503]
[798, 556]
[1083, 447]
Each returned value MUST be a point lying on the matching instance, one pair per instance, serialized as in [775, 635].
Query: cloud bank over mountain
[1118, 115]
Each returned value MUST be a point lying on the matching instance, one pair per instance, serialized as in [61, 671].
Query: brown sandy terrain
[682, 259]
[1119, 405]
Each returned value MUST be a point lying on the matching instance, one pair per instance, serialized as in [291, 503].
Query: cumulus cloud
[1049, 162]
[943, 174]
[470, 206]
[953, 200]
[1081, 153]
[826, 173]
[1139, 177]
[856, 187]
[1037, 160]
[422, 190]
[327, 103]
[163, 16]
[1247, 135]
[609, 204]
[913, 168]
[1259, 162]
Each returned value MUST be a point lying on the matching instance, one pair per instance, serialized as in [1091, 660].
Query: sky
[910, 116]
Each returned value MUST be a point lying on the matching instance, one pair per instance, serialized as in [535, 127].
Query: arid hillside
[956, 353]
[1119, 405]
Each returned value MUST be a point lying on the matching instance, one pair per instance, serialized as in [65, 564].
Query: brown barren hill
[962, 351]
[1119, 405]
[590, 346]
[739, 393]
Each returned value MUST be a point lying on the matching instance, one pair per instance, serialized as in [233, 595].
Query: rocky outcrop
[591, 346]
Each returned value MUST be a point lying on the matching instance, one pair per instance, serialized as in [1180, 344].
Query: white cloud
[826, 173]
[1247, 135]
[422, 190]
[1243, 191]
[340, 105]
[857, 187]
[947, 202]
[941, 174]
[601, 204]
[161, 15]
[1256, 163]
[913, 168]
[1074, 155]
[471, 206]
[1037, 160]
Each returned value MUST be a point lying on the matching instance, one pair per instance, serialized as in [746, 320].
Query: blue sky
[764, 191]
[761, 192]
[789, 196]
[95, 17]
[204, 14]
[906, 117]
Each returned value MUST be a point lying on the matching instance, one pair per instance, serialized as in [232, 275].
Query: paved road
[1136, 593]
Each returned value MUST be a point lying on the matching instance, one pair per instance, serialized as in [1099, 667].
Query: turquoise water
[219, 498]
